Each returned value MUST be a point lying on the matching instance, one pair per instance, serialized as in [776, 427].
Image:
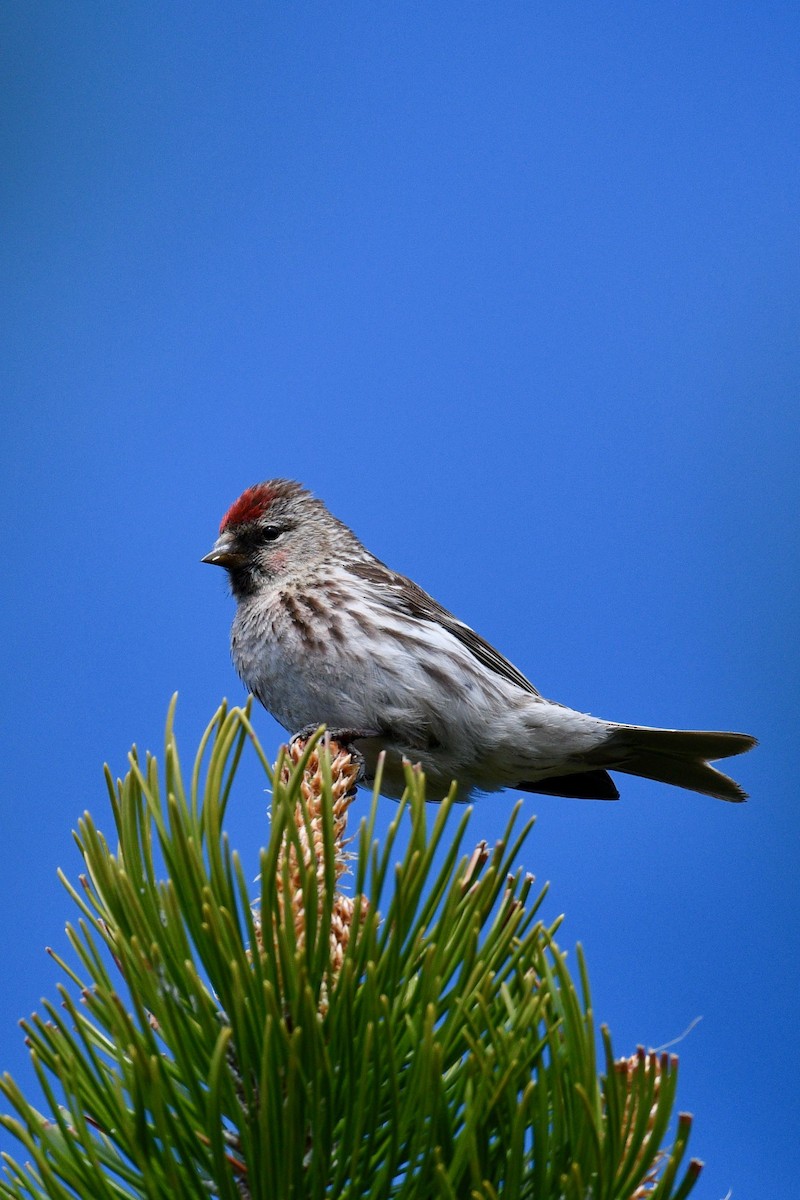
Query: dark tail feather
[587, 785]
[676, 756]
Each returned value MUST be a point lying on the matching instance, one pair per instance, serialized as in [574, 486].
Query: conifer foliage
[380, 1019]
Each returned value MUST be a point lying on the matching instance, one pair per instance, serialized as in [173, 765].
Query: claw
[303, 734]
[346, 738]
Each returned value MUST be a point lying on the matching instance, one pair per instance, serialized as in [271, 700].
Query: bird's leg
[303, 734]
[346, 739]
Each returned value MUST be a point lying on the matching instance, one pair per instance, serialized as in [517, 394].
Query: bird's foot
[345, 738]
[303, 734]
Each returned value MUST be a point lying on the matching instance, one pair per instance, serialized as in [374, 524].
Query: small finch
[325, 633]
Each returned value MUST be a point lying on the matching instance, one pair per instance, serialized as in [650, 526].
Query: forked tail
[677, 756]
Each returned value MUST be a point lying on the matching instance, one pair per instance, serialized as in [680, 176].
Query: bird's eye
[271, 533]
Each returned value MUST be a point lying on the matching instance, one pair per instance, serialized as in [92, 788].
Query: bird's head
[275, 531]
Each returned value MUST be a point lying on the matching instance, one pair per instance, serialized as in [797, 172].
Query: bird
[326, 634]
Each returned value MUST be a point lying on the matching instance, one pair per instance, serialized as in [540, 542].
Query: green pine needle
[420, 1037]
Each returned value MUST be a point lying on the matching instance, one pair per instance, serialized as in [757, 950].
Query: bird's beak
[223, 553]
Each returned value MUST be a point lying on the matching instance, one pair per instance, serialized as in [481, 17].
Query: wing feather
[403, 595]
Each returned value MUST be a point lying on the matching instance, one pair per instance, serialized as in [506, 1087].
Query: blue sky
[514, 288]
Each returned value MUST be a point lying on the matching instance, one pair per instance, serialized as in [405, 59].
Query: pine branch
[416, 1036]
